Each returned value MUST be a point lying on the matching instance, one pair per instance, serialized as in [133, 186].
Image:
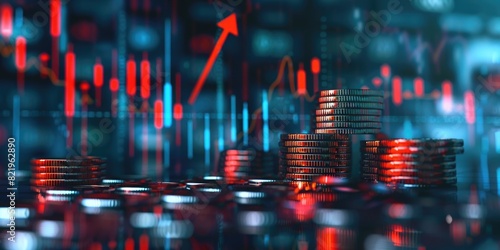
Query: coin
[68, 162]
[417, 180]
[417, 173]
[349, 105]
[347, 130]
[424, 142]
[315, 170]
[64, 182]
[317, 150]
[316, 156]
[410, 165]
[349, 92]
[313, 137]
[79, 176]
[347, 118]
[238, 158]
[409, 157]
[241, 152]
[303, 163]
[348, 111]
[320, 125]
[352, 98]
[413, 150]
[311, 177]
[284, 143]
[67, 169]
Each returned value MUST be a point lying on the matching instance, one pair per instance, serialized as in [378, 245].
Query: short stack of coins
[348, 111]
[304, 157]
[411, 162]
[50, 173]
[239, 163]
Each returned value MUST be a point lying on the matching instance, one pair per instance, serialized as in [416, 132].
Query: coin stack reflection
[67, 172]
[411, 162]
[304, 157]
[243, 163]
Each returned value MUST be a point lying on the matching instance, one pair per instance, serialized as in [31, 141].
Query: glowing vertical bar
[18, 18]
[6, 21]
[55, 18]
[233, 118]
[190, 138]
[245, 123]
[497, 141]
[407, 129]
[483, 162]
[470, 109]
[418, 86]
[158, 115]
[145, 78]
[131, 77]
[498, 181]
[397, 90]
[206, 138]
[479, 120]
[301, 82]
[167, 102]
[166, 156]
[63, 38]
[447, 96]
[265, 122]
[221, 137]
[20, 56]
[385, 71]
[70, 84]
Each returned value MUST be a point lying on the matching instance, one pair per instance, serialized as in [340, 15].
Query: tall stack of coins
[348, 111]
[67, 172]
[411, 162]
[304, 157]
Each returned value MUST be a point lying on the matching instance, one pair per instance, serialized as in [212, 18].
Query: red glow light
[158, 114]
[98, 74]
[131, 77]
[44, 57]
[397, 89]
[145, 79]
[377, 81]
[418, 85]
[70, 84]
[20, 56]
[470, 109]
[178, 111]
[114, 84]
[84, 86]
[315, 65]
[447, 96]
[385, 71]
[301, 82]
[6, 21]
[55, 17]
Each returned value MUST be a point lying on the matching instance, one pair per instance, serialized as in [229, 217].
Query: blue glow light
[63, 40]
[206, 138]
[479, 121]
[265, 122]
[497, 141]
[190, 138]
[498, 181]
[233, 118]
[483, 159]
[245, 124]
[167, 103]
[221, 137]
[407, 129]
[168, 49]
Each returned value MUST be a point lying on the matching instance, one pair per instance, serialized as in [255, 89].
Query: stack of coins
[411, 162]
[239, 163]
[49, 173]
[304, 157]
[348, 111]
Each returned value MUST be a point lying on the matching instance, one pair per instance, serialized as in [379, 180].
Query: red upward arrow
[228, 25]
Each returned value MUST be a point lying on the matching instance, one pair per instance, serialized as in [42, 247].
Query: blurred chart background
[117, 78]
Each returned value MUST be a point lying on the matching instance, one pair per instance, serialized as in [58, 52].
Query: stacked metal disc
[67, 172]
[348, 111]
[240, 163]
[411, 162]
[304, 157]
